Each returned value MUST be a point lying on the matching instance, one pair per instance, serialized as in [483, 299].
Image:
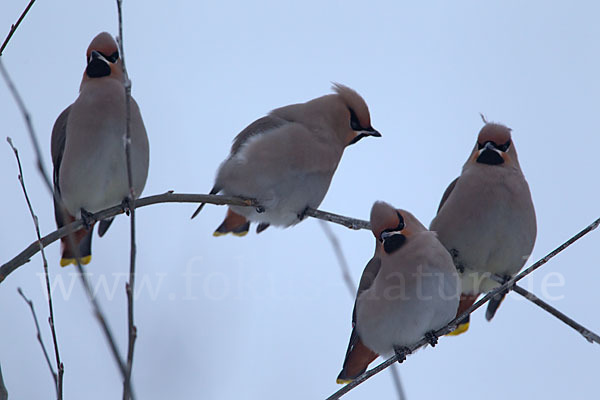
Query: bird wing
[446, 194]
[57, 148]
[358, 356]
[258, 127]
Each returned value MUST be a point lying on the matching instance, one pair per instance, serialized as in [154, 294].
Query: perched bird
[486, 218]
[407, 291]
[286, 160]
[88, 150]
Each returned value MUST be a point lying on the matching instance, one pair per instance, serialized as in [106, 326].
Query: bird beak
[97, 56]
[385, 235]
[364, 133]
[490, 146]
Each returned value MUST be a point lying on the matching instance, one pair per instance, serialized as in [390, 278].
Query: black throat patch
[97, 68]
[393, 243]
[490, 157]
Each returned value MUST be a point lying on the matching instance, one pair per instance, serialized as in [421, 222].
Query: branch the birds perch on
[168, 197]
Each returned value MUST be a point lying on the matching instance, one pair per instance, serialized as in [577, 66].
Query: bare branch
[59, 365]
[337, 249]
[452, 325]
[100, 317]
[586, 333]
[169, 197]
[14, 27]
[39, 336]
[28, 123]
[397, 382]
[3, 391]
[129, 287]
[351, 223]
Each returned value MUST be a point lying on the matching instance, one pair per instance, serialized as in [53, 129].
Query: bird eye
[113, 57]
[401, 223]
[354, 124]
[504, 147]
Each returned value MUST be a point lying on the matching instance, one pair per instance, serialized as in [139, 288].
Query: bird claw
[302, 215]
[126, 205]
[87, 218]
[401, 353]
[459, 267]
[432, 338]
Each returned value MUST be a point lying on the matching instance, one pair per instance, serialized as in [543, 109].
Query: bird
[486, 218]
[286, 160]
[88, 149]
[408, 290]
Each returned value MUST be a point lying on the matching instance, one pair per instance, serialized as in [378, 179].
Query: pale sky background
[268, 316]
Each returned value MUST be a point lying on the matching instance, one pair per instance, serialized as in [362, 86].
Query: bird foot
[302, 215]
[126, 205]
[432, 338]
[459, 267]
[87, 218]
[401, 353]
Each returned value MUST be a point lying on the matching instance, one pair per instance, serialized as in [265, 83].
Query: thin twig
[29, 124]
[129, 287]
[3, 391]
[337, 249]
[14, 27]
[59, 365]
[586, 333]
[39, 336]
[169, 197]
[452, 324]
[348, 222]
[100, 317]
[397, 382]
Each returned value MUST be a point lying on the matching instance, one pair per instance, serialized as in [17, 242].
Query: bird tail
[233, 223]
[358, 358]
[466, 301]
[83, 240]
[494, 304]
[214, 190]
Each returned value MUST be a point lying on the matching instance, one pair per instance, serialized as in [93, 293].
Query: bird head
[103, 58]
[392, 227]
[494, 146]
[357, 120]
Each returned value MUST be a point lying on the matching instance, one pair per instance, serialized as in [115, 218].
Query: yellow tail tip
[343, 381]
[67, 261]
[218, 234]
[462, 328]
[240, 234]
